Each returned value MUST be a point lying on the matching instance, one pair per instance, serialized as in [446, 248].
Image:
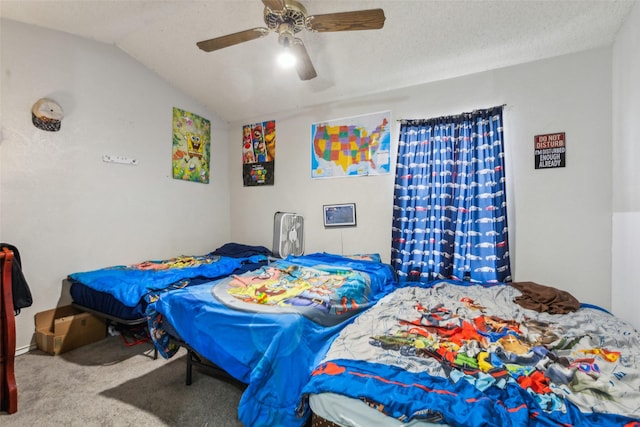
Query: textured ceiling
[422, 41]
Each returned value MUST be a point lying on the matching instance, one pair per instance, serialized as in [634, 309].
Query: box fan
[288, 235]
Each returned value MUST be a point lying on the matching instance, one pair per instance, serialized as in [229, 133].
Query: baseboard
[25, 349]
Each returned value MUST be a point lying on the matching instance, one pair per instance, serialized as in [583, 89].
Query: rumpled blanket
[543, 298]
[239, 250]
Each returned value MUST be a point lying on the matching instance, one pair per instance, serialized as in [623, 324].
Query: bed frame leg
[189, 366]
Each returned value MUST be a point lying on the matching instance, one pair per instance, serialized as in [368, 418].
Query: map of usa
[351, 147]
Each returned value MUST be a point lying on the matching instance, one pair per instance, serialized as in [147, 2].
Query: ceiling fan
[287, 18]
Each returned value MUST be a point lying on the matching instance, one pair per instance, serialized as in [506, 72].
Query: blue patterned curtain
[450, 203]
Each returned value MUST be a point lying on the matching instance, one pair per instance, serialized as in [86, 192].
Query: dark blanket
[238, 250]
[545, 298]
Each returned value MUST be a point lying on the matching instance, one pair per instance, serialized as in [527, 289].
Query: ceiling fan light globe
[286, 59]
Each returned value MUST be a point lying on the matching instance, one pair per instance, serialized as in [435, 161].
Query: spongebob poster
[191, 146]
[258, 153]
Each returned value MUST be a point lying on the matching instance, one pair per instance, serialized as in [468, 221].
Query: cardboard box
[65, 328]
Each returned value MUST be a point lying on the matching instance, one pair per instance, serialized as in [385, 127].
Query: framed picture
[342, 215]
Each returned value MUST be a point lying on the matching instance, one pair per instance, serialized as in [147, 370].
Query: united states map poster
[354, 146]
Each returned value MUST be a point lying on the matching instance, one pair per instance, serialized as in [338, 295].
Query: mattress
[123, 292]
[104, 302]
[350, 412]
[107, 304]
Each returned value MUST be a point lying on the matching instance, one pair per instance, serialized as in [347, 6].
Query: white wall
[625, 292]
[561, 222]
[60, 204]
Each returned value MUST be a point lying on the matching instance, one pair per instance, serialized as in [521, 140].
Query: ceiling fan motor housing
[286, 22]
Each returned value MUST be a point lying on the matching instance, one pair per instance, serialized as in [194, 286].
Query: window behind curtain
[450, 202]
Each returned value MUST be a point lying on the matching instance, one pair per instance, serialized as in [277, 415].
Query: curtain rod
[455, 115]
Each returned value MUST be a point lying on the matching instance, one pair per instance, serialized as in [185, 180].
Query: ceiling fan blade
[232, 39]
[304, 67]
[274, 4]
[371, 19]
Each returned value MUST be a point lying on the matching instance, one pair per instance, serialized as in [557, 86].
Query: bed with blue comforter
[471, 355]
[270, 327]
[123, 291]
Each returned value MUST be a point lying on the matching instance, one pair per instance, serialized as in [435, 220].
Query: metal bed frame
[116, 320]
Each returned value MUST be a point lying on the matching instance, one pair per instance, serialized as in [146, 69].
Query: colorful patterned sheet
[130, 283]
[272, 352]
[468, 355]
[327, 294]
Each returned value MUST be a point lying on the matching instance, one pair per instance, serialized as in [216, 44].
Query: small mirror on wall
[340, 215]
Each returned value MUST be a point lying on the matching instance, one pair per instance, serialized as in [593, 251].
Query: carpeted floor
[110, 384]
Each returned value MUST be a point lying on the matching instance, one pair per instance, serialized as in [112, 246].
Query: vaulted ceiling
[421, 41]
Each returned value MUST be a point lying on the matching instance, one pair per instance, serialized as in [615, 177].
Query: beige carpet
[110, 384]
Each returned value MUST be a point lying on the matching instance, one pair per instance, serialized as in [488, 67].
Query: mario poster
[258, 153]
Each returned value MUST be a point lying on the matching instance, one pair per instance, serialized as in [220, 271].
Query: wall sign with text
[550, 150]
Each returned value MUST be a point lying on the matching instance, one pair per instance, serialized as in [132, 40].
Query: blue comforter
[470, 355]
[272, 352]
[130, 283]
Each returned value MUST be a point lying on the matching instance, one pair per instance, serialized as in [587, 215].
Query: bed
[268, 328]
[454, 353]
[122, 293]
